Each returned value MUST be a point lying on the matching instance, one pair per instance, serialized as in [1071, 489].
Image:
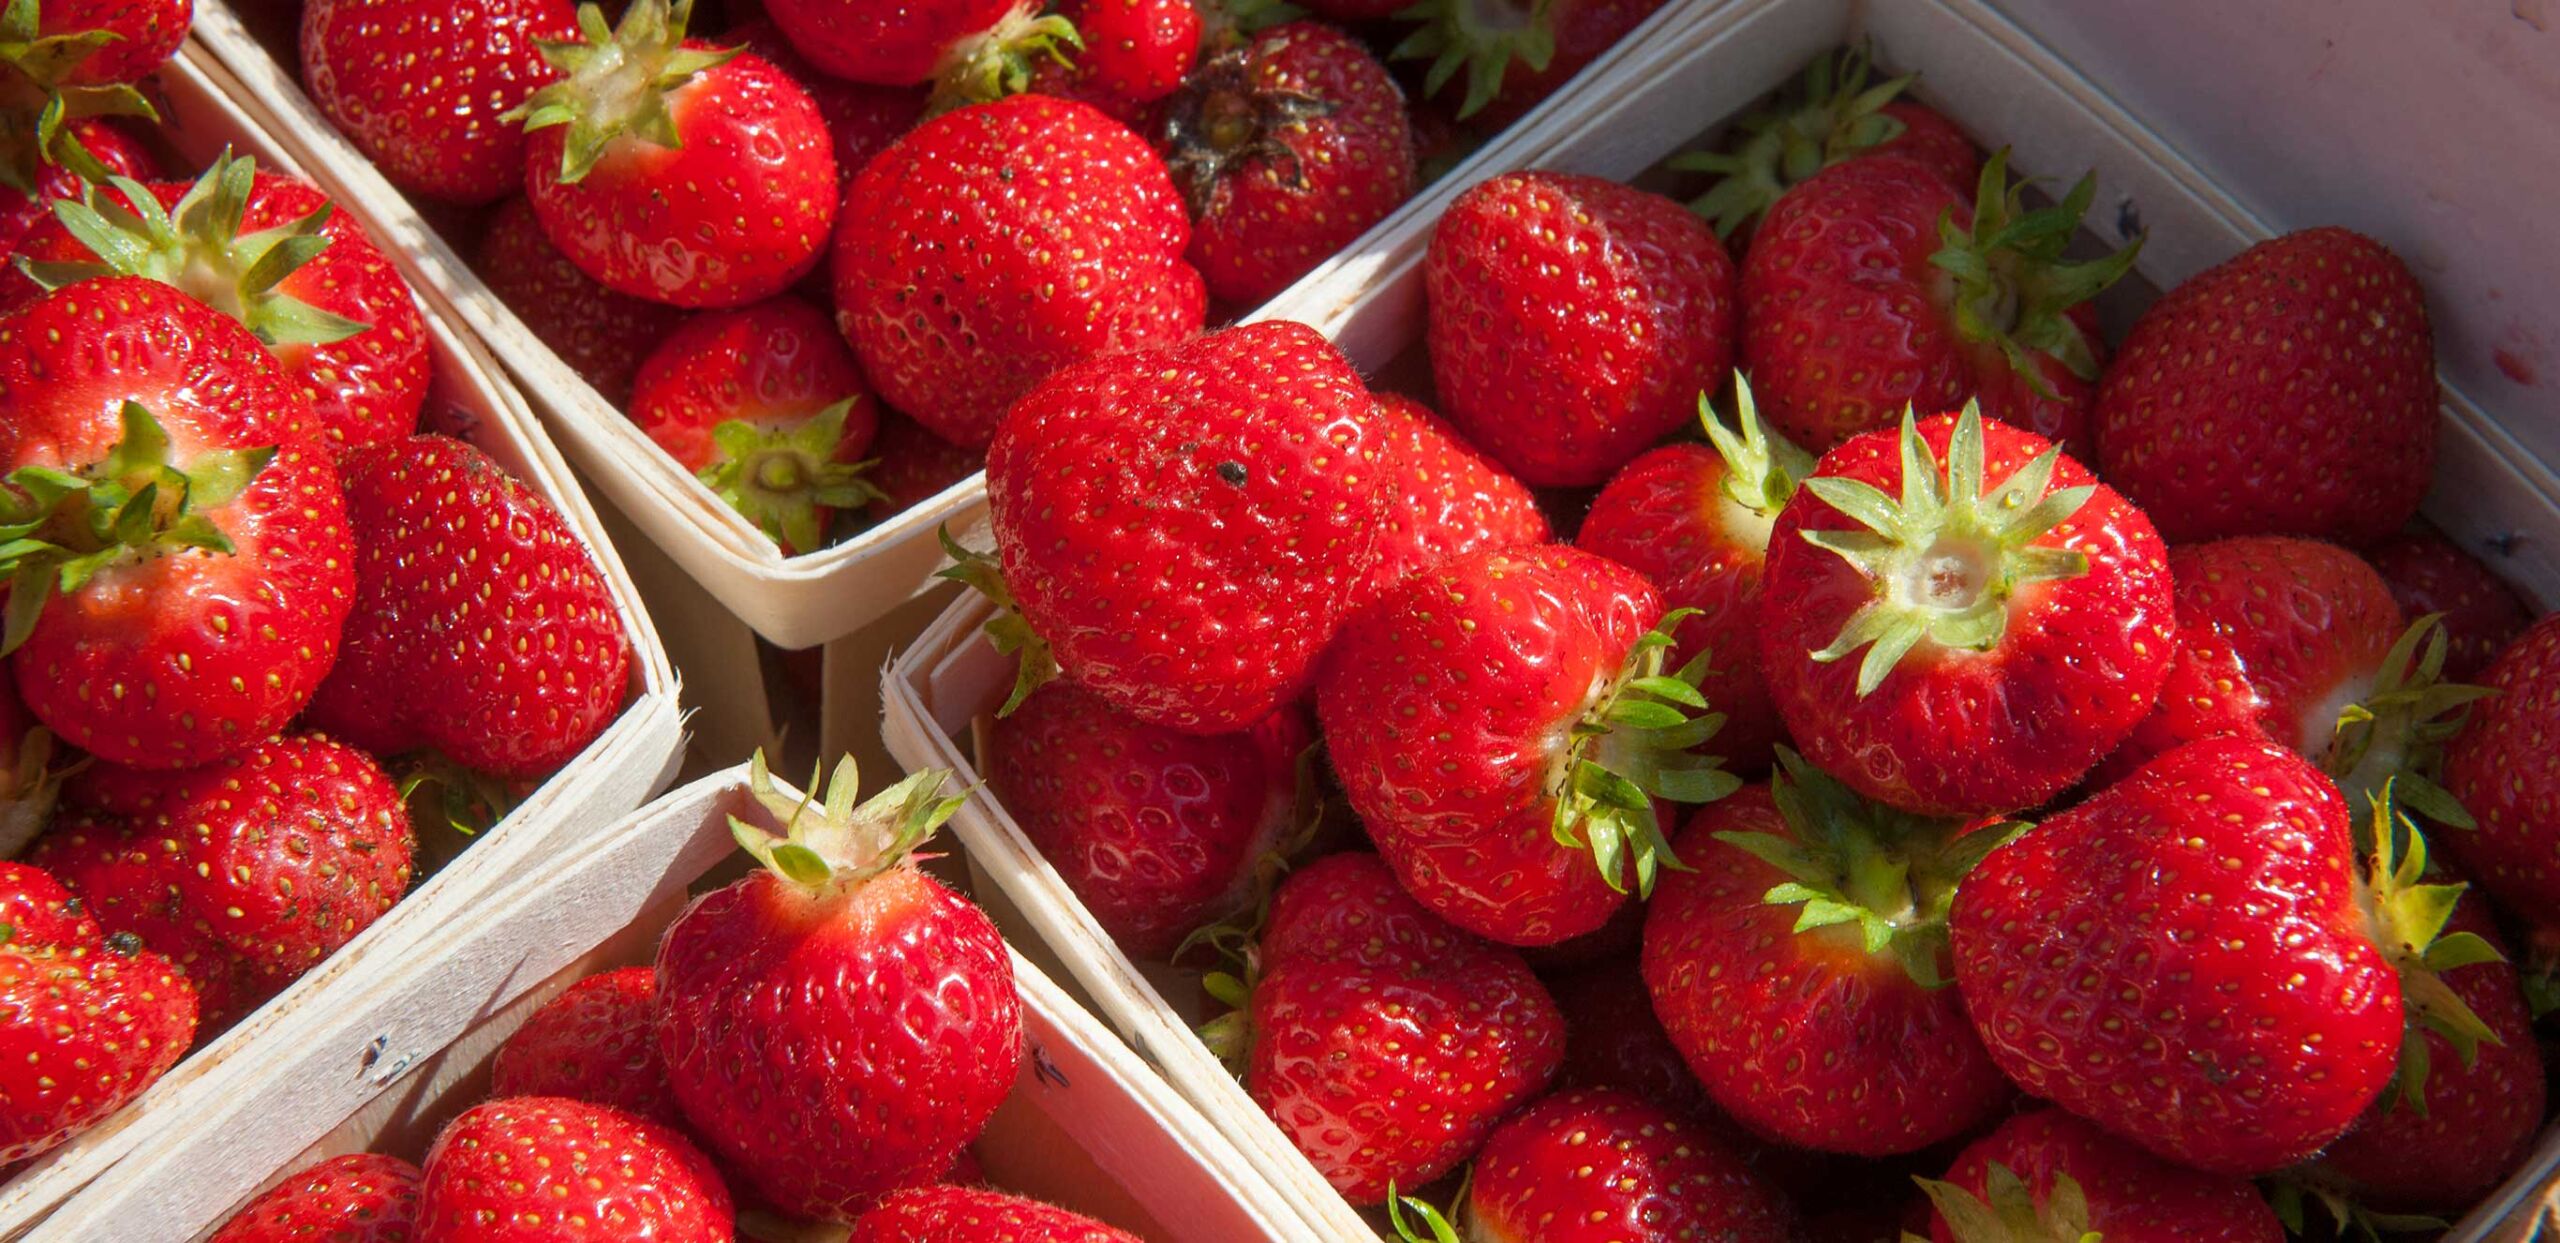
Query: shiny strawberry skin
[596, 1043]
[2503, 770]
[1454, 499]
[1574, 321]
[835, 1049]
[997, 244]
[882, 41]
[2131, 1193]
[539, 1169]
[969, 1215]
[600, 334]
[2080, 664]
[361, 1197]
[1187, 527]
[85, 1024]
[863, 119]
[1135, 53]
[147, 32]
[40, 911]
[180, 659]
[448, 544]
[1928, 138]
[1614, 1040]
[95, 854]
[915, 465]
[2181, 959]
[421, 87]
[1350, 907]
[103, 137]
[2315, 414]
[776, 362]
[2431, 574]
[1593, 1166]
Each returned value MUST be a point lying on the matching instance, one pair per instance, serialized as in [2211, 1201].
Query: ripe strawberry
[162, 469]
[2501, 769]
[766, 406]
[1454, 499]
[539, 1169]
[2049, 1175]
[86, 1024]
[28, 779]
[675, 171]
[1833, 114]
[971, 50]
[357, 1198]
[1001, 243]
[1184, 528]
[422, 88]
[966, 1215]
[2024, 625]
[2289, 391]
[596, 1043]
[115, 148]
[838, 1025]
[1875, 287]
[2431, 574]
[1613, 1039]
[1135, 53]
[482, 629]
[1600, 1167]
[1159, 833]
[914, 465]
[1574, 321]
[862, 118]
[1288, 148]
[1515, 52]
[95, 43]
[335, 312]
[39, 911]
[601, 334]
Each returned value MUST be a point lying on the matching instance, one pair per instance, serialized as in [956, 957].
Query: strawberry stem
[1008, 630]
[2393, 740]
[1636, 743]
[785, 479]
[2405, 916]
[1482, 37]
[37, 105]
[2011, 286]
[998, 61]
[1221, 121]
[827, 844]
[2007, 1211]
[615, 81]
[1762, 468]
[1832, 115]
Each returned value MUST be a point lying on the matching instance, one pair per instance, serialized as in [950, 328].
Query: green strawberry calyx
[1008, 630]
[196, 246]
[37, 106]
[1637, 742]
[1833, 114]
[2007, 1211]
[785, 478]
[998, 61]
[828, 844]
[2405, 915]
[2292, 1193]
[439, 791]
[615, 80]
[1762, 468]
[2011, 287]
[1226, 24]
[1887, 875]
[1416, 1220]
[1482, 37]
[1948, 557]
[1222, 124]
[59, 528]
[2394, 737]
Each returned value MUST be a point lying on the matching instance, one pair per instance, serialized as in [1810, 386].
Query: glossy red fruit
[600, 334]
[1590, 1166]
[863, 119]
[596, 1043]
[422, 88]
[998, 244]
[39, 910]
[114, 145]
[1836, 112]
[2431, 574]
[1454, 499]
[881, 41]
[1514, 55]
[2289, 391]
[1574, 321]
[86, 1024]
[2124, 1192]
[1135, 52]
[145, 34]
[539, 1169]
[1612, 1039]
[2010, 609]
[2504, 771]
[914, 465]
[969, 1215]
[358, 1198]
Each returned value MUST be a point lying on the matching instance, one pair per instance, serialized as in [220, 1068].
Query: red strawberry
[2431, 574]
[914, 465]
[2013, 611]
[130, 38]
[1515, 52]
[1574, 321]
[1612, 1039]
[539, 1169]
[422, 88]
[2289, 391]
[115, 148]
[1288, 148]
[357, 1198]
[338, 316]
[1159, 833]
[38, 910]
[193, 627]
[1875, 287]
[1833, 114]
[1602, 1167]
[2501, 768]
[449, 545]
[596, 1043]
[600, 334]
[887, 43]
[766, 405]
[1000, 243]
[1135, 52]
[864, 119]
[966, 1215]
[675, 171]
[838, 1024]
[1184, 528]
[1454, 499]
[28, 779]
[2048, 1175]
[85, 1024]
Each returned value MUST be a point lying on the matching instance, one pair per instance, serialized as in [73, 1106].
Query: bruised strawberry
[358, 1198]
[2049, 1175]
[600, 334]
[422, 88]
[1834, 113]
[1454, 499]
[596, 1043]
[2431, 574]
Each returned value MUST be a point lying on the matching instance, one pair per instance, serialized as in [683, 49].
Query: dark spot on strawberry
[1232, 472]
[123, 944]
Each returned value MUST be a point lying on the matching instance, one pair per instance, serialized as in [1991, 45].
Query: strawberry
[2048, 1175]
[116, 149]
[1159, 833]
[766, 406]
[1135, 53]
[1801, 968]
[2289, 391]
[967, 1215]
[971, 51]
[28, 779]
[1875, 287]
[125, 40]
[914, 465]
[2431, 574]
[1001, 243]
[2023, 624]
[1574, 321]
[274, 253]
[423, 88]
[1515, 52]
[600, 334]
[1832, 114]
[596, 1043]
[2500, 768]
[1696, 521]
[1288, 148]
[65, 66]
[1612, 1039]
[863, 119]
[449, 545]
[86, 1023]
[181, 555]
[356, 1198]
[539, 1169]
[675, 171]
[1182, 530]
[838, 1025]
[1454, 498]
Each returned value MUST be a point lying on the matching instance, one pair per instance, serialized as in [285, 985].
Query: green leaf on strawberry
[2291, 1197]
[2393, 739]
[785, 479]
[2013, 289]
[1637, 744]
[827, 842]
[1762, 468]
[1482, 37]
[2007, 1211]
[615, 81]
[40, 100]
[2407, 916]
[998, 61]
[1007, 630]
[1833, 114]
[1427, 1225]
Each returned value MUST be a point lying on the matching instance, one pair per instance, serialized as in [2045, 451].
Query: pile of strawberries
[1989, 755]
[247, 600]
[977, 193]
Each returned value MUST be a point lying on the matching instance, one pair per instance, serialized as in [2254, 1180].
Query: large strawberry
[422, 88]
[1876, 287]
[1834, 113]
[2431, 574]
[2289, 391]
[1574, 321]
[1514, 53]
[2503, 770]
[600, 334]
[673, 170]
[358, 1198]
[540, 1169]
[1000, 243]
[970, 1215]
[2011, 611]
[181, 561]
[838, 1025]
[597, 1042]
[86, 1022]
[1453, 499]
[2049, 1175]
